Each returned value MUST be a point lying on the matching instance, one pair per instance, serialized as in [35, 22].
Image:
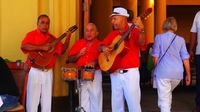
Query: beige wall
[17, 18]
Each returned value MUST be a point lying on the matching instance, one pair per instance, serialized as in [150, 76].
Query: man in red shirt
[85, 53]
[124, 72]
[40, 79]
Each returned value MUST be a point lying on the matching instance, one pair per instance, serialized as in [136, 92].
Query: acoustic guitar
[106, 60]
[41, 59]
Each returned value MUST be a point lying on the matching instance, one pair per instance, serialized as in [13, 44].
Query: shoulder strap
[166, 50]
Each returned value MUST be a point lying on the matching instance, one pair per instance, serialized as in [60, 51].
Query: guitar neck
[123, 37]
[127, 33]
[58, 39]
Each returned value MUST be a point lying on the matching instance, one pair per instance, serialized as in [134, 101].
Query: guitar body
[41, 59]
[106, 62]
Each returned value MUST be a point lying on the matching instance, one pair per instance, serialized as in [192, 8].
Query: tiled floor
[183, 100]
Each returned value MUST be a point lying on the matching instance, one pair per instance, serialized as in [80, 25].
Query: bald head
[91, 32]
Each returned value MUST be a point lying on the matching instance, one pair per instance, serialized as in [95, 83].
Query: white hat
[120, 11]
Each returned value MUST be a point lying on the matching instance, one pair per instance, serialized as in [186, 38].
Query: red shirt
[91, 54]
[129, 57]
[35, 37]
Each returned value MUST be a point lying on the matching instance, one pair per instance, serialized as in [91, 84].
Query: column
[131, 5]
[86, 9]
[160, 15]
[149, 22]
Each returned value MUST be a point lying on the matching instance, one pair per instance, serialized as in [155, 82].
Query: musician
[85, 53]
[124, 72]
[39, 88]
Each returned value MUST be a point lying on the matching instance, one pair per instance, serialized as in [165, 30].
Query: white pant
[126, 86]
[39, 89]
[91, 93]
[164, 89]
